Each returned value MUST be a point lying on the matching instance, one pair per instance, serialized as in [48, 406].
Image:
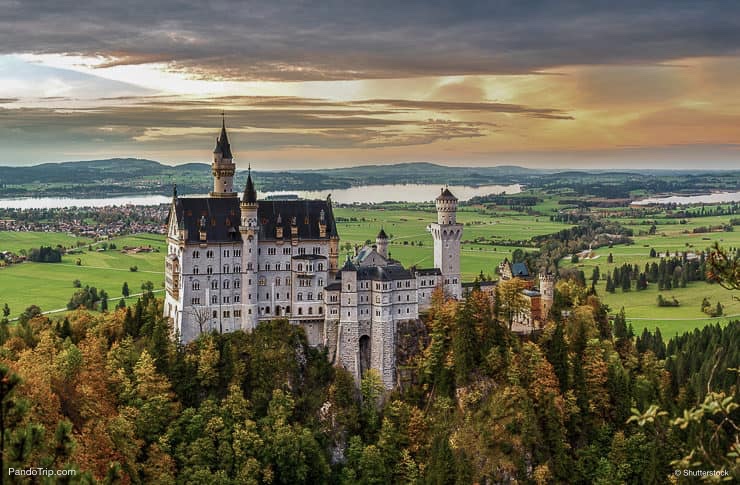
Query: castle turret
[223, 167]
[447, 234]
[381, 241]
[547, 290]
[348, 333]
[249, 229]
[333, 247]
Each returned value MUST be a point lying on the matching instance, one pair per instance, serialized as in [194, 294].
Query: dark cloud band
[344, 39]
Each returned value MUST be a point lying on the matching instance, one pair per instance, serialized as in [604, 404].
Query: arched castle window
[262, 281]
[299, 297]
[214, 284]
[196, 285]
[209, 270]
[195, 270]
[310, 310]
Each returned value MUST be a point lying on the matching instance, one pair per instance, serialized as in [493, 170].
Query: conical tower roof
[250, 193]
[222, 142]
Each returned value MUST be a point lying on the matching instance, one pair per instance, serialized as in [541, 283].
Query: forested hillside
[110, 395]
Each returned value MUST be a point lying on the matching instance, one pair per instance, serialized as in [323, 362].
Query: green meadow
[49, 285]
[15, 241]
[641, 307]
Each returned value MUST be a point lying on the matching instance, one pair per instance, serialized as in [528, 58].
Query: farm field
[15, 241]
[49, 285]
[641, 307]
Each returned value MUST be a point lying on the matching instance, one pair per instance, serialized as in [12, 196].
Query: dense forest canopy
[585, 401]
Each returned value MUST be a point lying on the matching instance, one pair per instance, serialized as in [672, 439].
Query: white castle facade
[235, 261]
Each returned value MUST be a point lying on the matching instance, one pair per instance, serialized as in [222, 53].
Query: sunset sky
[309, 85]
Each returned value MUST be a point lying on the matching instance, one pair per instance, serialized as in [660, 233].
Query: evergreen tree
[103, 301]
[465, 343]
[557, 355]
[66, 329]
[595, 275]
[626, 283]
[125, 291]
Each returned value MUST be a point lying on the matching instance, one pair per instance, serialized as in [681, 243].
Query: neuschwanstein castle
[235, 261]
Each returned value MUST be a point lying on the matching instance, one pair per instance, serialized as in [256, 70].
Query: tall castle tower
[547, 290]
[447, 234]
[381, 242]
[250, 263]
[223, 166]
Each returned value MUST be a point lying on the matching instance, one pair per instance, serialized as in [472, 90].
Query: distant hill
[120, 176]
[135, 172]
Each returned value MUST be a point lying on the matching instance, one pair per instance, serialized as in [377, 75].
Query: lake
[692, 199]
[365, 194]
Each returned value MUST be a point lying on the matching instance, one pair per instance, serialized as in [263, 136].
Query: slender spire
[222, 142]
[250, 193]
[174, 191]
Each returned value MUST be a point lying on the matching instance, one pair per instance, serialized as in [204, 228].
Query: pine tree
[103, 301]
[66, 329]
[718, 310]
[626, 282]
[125, 291]
[557, 355]
[465, 343]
